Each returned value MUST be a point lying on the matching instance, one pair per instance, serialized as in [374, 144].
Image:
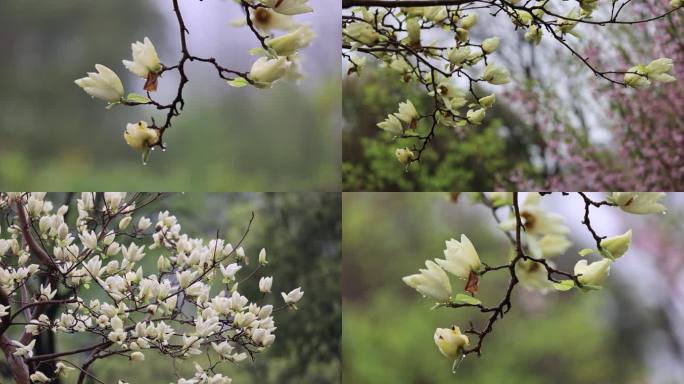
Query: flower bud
[104, 84]
[404, 155]
[140, 137]
[451, 342]
[594, 273]
[490, 45]
[617, 245]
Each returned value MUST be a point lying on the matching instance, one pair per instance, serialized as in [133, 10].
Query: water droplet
[457, 363]
[144, 162]
[154, 148]
[163, 149]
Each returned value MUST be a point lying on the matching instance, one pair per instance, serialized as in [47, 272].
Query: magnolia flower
[104, 84]
[432, 282]
[265, 71]
[636, 77]
[451, 342]
[263, 337]
[404, 155]
[533, 275]
[288, 7]
[490, 45]
[459, 55]
[496, 75]
[137, 356]
[569, 22]
[534, 35]
[62, 368]
[289, 43]
[24, 350]
[262, 257]
[145, 59]
[475, 116]
[407, 112]
[551, 245]
[293, 297]
[658, 70]
[265, 284]
[536, 220]
[89, 240]
[594, 273]
[617, 245]
[640, 76]
[39, 377]
[391, 124]
[460, 258]
[487, 101]
[469, 21]
[362, 32]
[140, 137]
[266, 20]
[640, 203]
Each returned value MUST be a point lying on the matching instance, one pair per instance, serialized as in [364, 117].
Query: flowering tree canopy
[48, 264]
[278, 56]
[430, 43]
[536, 236]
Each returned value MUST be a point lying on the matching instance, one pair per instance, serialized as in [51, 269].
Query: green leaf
[137, 98]
[238, 82]
[465, 299]
[586, 251]
[564, 285]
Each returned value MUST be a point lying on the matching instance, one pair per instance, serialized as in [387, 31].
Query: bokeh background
[301, 232]
[56, 136]
[629, 332]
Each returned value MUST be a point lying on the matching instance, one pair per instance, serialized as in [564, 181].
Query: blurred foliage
[54, 135]
[301, 233]
[480, 159]
[388, 327]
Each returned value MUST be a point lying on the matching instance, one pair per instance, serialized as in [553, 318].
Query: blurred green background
[301, 232]
[56, 137]
[478, 161]
[629, 332]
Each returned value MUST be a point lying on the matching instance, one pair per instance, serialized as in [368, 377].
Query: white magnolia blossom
[291, 42]
[265, 71]
[140, 137]
[105, 84]
[137, 307]
[641, 203]
[145, 59]
[432, 282]
[617, 245]
[536, 220]
[460, 259]
[594, 273]
[265, 284]
[293, 296]
[451, 342]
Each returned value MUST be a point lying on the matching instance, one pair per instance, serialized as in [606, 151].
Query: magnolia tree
[429, 44]
[49, 264]
[537, 236]
[277, 59]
